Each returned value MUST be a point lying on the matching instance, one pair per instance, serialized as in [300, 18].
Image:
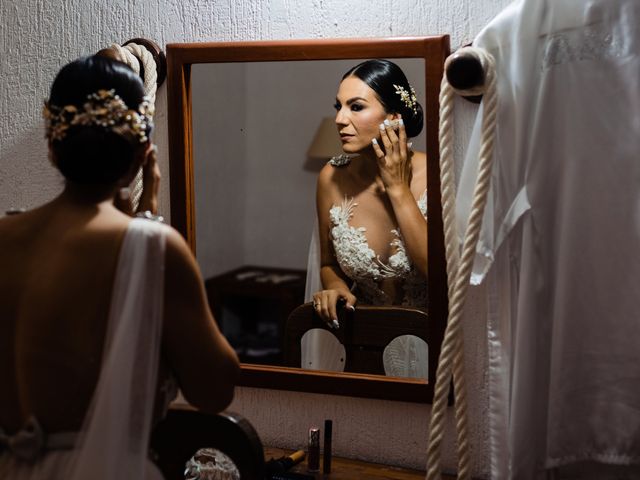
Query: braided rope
[447, 181]
[132, 55]
[451, 361]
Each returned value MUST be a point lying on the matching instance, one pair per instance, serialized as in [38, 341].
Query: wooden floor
[346, 469]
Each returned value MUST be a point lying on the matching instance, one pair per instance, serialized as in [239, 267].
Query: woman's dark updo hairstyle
[381, 76]
[92, 154]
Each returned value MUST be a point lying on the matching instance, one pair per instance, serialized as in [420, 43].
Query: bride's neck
[87, 195]
[367, 166]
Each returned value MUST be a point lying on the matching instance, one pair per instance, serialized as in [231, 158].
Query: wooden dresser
[346, 469]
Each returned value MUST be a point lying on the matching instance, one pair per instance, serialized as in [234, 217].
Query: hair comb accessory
[102, 109]
[409, 99]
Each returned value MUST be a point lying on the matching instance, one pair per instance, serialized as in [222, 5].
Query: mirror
[275, 132]
[243, 117]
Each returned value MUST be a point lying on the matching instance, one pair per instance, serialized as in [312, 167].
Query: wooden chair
[364, 333]
[185, 430]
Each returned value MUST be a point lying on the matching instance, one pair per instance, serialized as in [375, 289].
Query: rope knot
[473, 65]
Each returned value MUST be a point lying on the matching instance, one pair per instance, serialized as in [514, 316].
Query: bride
[371, 201]
[95, 306]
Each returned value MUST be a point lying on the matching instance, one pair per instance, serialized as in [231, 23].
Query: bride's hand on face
[394, 162]
[150, 182]
[325, 303]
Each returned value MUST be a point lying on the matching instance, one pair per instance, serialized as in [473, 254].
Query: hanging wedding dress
[560, 240]
[113, 442]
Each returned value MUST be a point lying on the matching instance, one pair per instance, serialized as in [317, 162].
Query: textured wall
[38, 36]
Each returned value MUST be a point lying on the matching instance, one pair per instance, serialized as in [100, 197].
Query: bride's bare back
[58, 265]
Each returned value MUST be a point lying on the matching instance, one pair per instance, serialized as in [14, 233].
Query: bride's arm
[204, 363]
[334, 281]
[395, 168]
[412, 224]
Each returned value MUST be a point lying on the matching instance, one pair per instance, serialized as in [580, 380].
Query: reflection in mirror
[332, 355]
[406, 356]
[269, 127]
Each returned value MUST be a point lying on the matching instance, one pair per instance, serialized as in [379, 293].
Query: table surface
[347, 469]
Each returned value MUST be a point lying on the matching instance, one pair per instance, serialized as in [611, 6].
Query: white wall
[39, 36]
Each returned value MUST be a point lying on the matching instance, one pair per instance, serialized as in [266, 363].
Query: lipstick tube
[313, 456]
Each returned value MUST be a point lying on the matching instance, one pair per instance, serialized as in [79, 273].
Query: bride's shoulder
[333, 184]
[335, 175]
[419, 160]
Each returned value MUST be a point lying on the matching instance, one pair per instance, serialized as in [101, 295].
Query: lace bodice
[362, 265]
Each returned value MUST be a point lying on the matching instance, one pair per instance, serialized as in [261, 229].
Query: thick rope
[447, 181]
[451, 361]
[133, 55]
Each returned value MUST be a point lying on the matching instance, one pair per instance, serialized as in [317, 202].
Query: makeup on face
[358, 114]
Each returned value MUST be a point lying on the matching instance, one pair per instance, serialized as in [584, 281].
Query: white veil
[314, 282]
[320, 350]
[115, 435]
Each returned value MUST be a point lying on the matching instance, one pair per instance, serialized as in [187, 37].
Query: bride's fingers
[389, 129]
[384, 136]
[332, 301]
[377, 149]
[320, 305]
[323, 310]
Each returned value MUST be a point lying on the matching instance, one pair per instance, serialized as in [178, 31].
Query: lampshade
[326, 142]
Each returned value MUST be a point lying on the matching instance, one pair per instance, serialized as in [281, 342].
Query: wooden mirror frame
[434, 50]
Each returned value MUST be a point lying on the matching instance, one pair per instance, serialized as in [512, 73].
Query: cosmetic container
[282, 464]
[313, 455]
[326, 455]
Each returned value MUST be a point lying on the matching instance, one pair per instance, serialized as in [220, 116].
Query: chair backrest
[185, 430]
[364, 333]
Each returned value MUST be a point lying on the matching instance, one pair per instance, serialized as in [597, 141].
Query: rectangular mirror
[245, 119]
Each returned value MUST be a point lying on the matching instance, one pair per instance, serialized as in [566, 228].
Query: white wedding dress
[364, 267]
[113, 442]
[320, 349]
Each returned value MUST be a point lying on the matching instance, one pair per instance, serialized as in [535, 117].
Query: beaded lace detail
[361, 264]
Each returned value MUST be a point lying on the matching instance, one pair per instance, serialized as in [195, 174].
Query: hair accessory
[103, 109]
[409, 99]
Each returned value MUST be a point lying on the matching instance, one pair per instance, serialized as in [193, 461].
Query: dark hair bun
[92, 154]
[413, 121]
[383, 77]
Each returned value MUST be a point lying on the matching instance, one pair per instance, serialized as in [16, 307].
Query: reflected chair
[364, 333]
[185, 430]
